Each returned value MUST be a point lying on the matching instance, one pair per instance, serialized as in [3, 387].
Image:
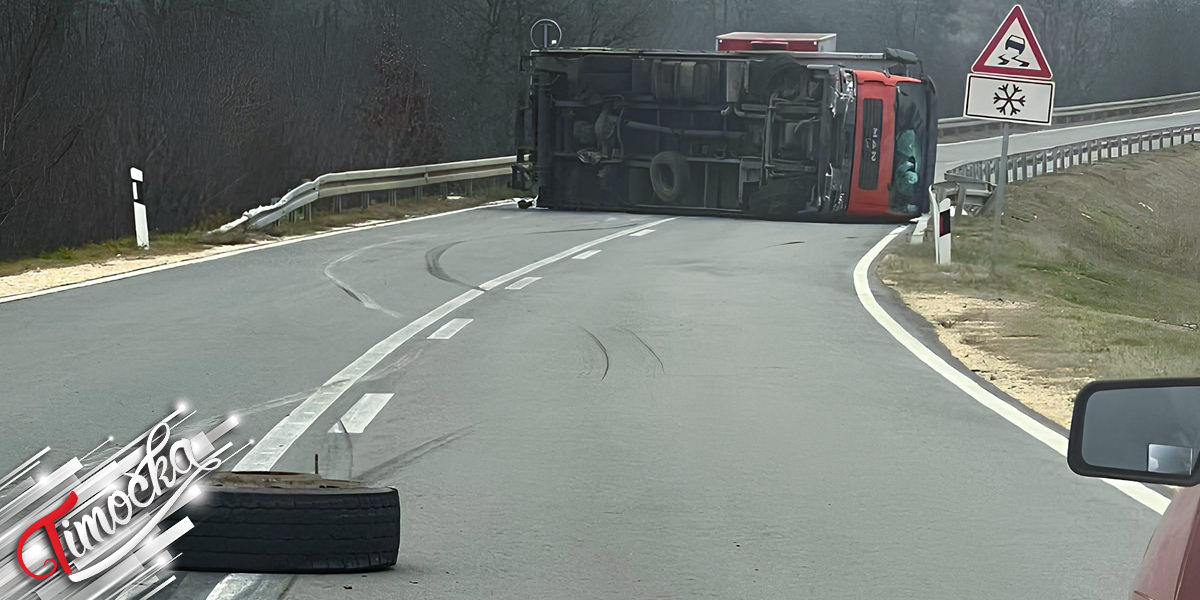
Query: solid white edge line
[1146, 496]
[522, 283]
[642, 233]
[362, 413]
[448, 330]
[585, 255]
[204, 259]
[263, 455]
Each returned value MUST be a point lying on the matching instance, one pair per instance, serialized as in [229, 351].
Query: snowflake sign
[1006, 101]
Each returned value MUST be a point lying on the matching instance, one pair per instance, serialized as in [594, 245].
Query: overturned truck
[773, 126]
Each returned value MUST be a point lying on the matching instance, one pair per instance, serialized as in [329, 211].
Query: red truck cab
[875, 188]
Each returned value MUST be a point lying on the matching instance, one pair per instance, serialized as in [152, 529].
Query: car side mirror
[1144, 430]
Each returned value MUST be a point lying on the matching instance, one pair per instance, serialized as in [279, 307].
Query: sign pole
[998, 201]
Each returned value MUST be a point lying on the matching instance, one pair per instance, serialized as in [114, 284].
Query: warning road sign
[1013, 50]
[1007, 99]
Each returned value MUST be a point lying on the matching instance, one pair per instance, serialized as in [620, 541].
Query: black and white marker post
[941, 231]
[140, 229]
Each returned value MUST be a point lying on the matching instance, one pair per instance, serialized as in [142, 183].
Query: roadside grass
[198, 239]
[1097, 273]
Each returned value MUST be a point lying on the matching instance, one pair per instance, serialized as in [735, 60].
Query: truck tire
[670, 176]
[256, 522]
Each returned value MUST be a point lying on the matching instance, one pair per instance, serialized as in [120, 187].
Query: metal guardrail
[1075, 114]
[375, 180]
[1025, 165]
[350, 182]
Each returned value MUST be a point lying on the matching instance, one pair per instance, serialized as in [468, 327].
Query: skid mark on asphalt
[433, 264]
[630, 223]
[412, 455]
[394, 368]
[361, 297]
[199, 426]
[271, 448]
[641, 341]
[603, 351]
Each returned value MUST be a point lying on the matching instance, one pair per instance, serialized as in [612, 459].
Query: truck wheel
[670, 176]
[524, 204]
[258, 522]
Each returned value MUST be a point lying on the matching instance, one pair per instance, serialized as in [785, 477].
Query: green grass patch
[1106, 257]
[323, 218]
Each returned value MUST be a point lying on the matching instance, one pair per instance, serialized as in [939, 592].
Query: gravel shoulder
[1096, 278]
[76, 265]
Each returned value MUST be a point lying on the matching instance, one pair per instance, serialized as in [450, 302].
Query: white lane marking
[360, 415]
[1148, 497]
[507, 277]
[204, 259]
[641, 233]
[263, 455]
[521, 283]
[586, 255]
[448, 330]
[268, 451]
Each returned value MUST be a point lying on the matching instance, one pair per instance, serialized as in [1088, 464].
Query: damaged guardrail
[375, 180]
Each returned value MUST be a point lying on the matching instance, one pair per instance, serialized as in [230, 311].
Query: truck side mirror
[1144, 430]
[901, 56]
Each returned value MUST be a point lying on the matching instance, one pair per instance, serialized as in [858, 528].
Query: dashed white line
[521, 283]
[1148, 497]
[360, 415]
[264, 455]
[641, 233]
[586, 255]
[448, 330]
[268, 451]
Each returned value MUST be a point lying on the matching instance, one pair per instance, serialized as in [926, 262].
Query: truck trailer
[774, 126]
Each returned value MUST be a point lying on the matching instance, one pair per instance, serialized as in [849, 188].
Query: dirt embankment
[1097, 276]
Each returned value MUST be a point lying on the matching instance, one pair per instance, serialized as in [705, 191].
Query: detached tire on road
[254, 522]
[670, 176]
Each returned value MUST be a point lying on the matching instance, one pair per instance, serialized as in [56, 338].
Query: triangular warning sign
[1014, 50]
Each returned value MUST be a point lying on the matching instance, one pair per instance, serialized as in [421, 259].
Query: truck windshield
[911, 145]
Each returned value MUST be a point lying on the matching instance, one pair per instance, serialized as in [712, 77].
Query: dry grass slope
[1098, 276]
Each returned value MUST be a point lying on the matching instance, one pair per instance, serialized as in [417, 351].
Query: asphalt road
[705, 410]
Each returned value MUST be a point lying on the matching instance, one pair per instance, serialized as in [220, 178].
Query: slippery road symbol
[1016, 44]
[1006, 101]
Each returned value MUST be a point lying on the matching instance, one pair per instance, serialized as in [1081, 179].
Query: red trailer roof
[790, 42]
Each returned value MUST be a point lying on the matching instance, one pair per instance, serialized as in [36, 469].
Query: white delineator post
[941, 231]
[140, 229]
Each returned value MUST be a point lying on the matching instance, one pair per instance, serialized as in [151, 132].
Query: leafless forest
[226, 103]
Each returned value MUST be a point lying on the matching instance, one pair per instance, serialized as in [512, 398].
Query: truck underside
[763, 134]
